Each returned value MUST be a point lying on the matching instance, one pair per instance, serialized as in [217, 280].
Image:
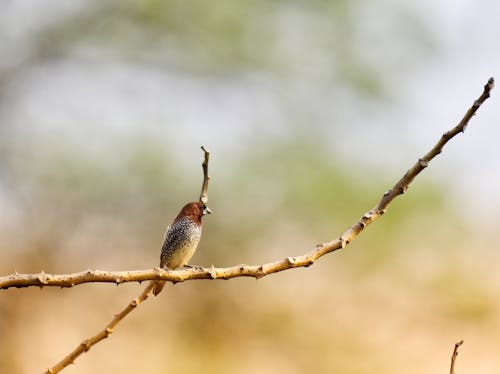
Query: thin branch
[108, 330]
[206, 177]
[454, 356]
[159, 284]
[256, 271]
[88, 343]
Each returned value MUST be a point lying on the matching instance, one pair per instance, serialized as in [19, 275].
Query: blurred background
[311, 111]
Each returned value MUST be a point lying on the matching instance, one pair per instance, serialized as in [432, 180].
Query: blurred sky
[423, 63]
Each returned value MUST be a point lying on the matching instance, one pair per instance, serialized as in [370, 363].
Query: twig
[159, 284]
[256, 271]
[108, 330]
[454, 356]
[88, 343]
[206, 177]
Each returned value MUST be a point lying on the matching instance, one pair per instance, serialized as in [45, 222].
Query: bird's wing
[165, 234]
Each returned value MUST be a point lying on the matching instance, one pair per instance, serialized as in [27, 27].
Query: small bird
[181, 239]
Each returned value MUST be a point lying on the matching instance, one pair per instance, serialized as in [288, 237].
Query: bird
[181, 239]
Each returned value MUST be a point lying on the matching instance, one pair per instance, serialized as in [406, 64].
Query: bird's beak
[207, 210]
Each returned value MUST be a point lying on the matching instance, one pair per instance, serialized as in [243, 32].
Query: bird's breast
[180, 244]
[183, 254]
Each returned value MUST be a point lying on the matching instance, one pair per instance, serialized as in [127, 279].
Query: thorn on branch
[422, 162]
[43, 278]
[343, 242]
[260, 272]
[86, 346]
[213, 272]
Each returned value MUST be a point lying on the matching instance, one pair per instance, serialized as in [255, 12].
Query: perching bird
[181, 239]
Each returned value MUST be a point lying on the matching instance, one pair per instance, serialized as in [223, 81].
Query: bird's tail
[157, 287]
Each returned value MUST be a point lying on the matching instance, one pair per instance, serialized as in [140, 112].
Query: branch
[206, 177]
[454, 356]
[108, 330]
[240, 270]
[256, 271]
[150, 288]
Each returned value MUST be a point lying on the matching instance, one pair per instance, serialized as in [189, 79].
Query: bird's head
[194, 210]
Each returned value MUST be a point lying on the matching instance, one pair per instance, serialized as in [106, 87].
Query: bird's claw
[194, 267]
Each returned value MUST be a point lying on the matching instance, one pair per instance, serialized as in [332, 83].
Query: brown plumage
[181, 239]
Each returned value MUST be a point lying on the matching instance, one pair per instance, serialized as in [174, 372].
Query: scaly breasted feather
[181, 239]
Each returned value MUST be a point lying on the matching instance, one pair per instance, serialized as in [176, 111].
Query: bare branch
[108, 330]
[206, 177]
[256, 271]
[69, 280]
[88, 343]
[454, 356]
[400, 187]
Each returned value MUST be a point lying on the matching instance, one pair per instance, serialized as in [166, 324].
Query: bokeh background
[311, 111]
